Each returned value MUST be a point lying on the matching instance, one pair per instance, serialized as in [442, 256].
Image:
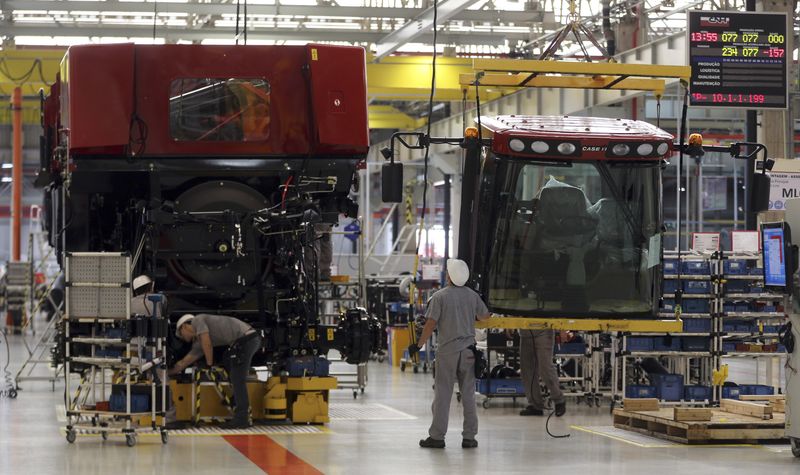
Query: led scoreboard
[738, 59]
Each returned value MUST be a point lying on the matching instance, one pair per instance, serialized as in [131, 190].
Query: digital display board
[738, 59]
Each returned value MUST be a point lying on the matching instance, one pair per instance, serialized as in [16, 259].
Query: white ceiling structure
[383, 26]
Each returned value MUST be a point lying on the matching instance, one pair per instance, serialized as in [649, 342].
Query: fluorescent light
[6, 179]
[8, 165]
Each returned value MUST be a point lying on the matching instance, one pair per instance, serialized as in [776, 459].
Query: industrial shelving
[111, 349]
[750, 263]
[696, 366]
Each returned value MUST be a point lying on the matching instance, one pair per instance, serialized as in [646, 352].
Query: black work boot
[431, 443]
[561, 409]
[469, 443]
[531, 411]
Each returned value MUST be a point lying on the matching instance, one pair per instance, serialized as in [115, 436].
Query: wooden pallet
[724, 427]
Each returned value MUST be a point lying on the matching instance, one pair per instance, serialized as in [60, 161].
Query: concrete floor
[31, 441]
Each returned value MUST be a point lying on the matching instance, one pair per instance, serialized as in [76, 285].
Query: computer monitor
[776, 242]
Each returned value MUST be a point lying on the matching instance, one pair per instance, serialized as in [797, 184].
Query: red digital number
[775, 52]
[712, 36]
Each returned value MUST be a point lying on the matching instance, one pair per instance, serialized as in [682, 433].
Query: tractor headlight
[644, 149]
[540, 147]
[566, 148]
[516, 145]
[620, 149]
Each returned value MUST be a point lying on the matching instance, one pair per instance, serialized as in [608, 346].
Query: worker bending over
[242, 341]
[536, 361]
[453, 310]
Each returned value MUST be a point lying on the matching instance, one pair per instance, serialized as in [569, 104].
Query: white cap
[458, 271]
[186, 318]
[141, 281]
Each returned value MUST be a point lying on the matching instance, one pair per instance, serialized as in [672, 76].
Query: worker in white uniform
[453, 310]
[142, 287]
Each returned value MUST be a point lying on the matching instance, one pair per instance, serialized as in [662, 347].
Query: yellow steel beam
[31, 69]
[583, 324]
[568, 82]
[408, 78]
[584, 68]
[388, 117]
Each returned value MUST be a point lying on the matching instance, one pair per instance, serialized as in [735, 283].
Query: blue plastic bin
[669, 387]
[736, 287]
[729, 326]
[729, 346]
[670, 266]
[756, 390]
[695, 343]
[771, 328]
[666, 343]
[735, 267]
[139, 402]
[670, 286]
[730, 392]
[509, 386]
[697, 325]
[756, 270]
[756, 289]
[742, 307]
[768, 308]
[697, 287]
[728, 307]
[696, 268]
[696, 393]
[640, 343]
[571, 349]
[695, 306]
[640, 391]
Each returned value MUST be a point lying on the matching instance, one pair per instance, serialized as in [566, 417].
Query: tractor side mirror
[392, 182]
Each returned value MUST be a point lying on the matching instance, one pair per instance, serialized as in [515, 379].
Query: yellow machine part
[308, 407]
[275, 399]
[303, 400]
[314, 383]
[211, 404]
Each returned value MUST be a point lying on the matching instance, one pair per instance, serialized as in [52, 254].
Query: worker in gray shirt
[536, 361]
[453, 310]
[242, 342]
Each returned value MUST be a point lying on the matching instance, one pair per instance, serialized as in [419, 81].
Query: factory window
[574, 239]
[220, 110]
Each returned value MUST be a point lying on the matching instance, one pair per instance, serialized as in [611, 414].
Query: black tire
[164, 437]
[795, 447]
[425, 368]
[355, 394]
[71, 436]
[104, 435]
[485, 404]
[403, 367]
[130, 440]
[12, 393]
[416, 369]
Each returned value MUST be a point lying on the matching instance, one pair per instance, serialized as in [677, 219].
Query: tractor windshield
[575, 238]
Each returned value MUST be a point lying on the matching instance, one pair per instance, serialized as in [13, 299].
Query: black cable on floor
[547, 428]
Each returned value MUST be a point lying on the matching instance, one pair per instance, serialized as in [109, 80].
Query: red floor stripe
[270, 456]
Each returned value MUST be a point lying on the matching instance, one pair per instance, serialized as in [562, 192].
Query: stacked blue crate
[669, 387]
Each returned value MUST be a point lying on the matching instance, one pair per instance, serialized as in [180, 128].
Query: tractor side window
[219, 110]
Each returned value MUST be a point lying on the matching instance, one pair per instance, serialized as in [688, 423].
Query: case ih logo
[593, 148]
[721, 21]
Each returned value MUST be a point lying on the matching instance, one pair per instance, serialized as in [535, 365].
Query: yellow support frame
[572, 74]
[582, 324]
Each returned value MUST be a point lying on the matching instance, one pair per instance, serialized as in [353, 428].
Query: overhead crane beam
[517, 73]
[388, 117]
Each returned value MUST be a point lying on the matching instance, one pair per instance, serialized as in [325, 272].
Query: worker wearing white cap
[143, 286]
[453, 310]
[240, 341]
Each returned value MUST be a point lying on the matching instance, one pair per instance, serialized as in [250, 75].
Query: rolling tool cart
[502, 379]
[116, 354]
